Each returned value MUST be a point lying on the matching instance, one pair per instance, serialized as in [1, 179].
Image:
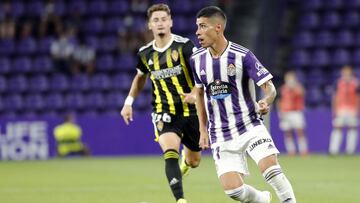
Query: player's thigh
[262, 144]
[230, 157]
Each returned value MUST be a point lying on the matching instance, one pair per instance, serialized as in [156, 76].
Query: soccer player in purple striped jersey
[224, 93]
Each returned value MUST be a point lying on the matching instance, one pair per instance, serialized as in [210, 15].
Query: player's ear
[148, 24]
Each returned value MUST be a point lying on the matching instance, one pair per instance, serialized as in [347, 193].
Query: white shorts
[231, 155]
[345, 119]
[292, 120]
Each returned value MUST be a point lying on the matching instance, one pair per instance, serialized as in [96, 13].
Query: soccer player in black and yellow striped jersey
[166, 61]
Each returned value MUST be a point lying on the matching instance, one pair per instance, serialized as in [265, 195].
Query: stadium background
[313, 37]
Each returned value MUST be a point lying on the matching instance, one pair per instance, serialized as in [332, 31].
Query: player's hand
[127, 113]
[204, 140]
[189, 98]
[263, 107]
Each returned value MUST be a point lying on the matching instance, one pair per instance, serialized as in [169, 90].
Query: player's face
[160, 23]
[206, 32]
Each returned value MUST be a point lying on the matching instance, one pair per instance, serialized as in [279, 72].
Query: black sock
[173, 172]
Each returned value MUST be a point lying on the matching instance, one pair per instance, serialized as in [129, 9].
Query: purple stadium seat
[324, 39]
[118, 7]
[34, 102]
[59, 83]
[299, 58]
[54, 101]
[42, 64]
[74, 101]
[356, 57]
[183, 6]
[38, 83]
[314, 96]
[4, 65]
[26, 46]
[59, 8]
[100, 82]
[94, 100]
[22, 65]
[113, 25]
[80, 82]
[78, 6]
[92, 41]
[320, 58]
[94, 25]
[312, 5]
[353, 4]
[351, 19]
[97, 7]
[108, 43]
[17, 9]
[3, 85]
[334, 4]
[17, 84]
[309, 21]
[44, 45]
[126, 61]
[344, 38]
[315, 77]
[303, 40]
[35, 8]
[7, 47]
[340, 57]
[121, 81]
[105, 63]
[114, 100]
[331, 20]
[13, 102]
[181, 24]
[143, 101]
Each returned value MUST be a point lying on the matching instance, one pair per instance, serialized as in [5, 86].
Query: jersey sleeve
[141, 68]
[197, 80]
[255, 69]
[188, 50]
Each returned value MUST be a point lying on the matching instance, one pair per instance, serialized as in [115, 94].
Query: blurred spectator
[50, 24]
[83, 58]
[291, 107]
[26, 30]
[139, 5]
[345, 106]
[68, 138]
[7, 28]
[61, 52]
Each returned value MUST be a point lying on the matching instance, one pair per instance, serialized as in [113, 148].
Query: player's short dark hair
[158, 7]
[211, 11]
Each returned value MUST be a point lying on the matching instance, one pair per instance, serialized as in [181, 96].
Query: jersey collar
[165, 47]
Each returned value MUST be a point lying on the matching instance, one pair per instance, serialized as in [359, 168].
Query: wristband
[129, 100]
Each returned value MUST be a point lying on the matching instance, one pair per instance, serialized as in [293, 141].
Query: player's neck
[218, 48]
[161, 42]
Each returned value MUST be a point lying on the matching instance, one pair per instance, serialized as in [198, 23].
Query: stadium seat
[7, 47]
[44, 45]
[54, 101]
[13, 102]
[17, 84]
[113, 25]
[100, 82]
[59, 83]
[303, 40]
[351, 19]
[97, 7]
[94, 100]
[340, 57]
[330, 20]
[320, 58]
[78, 6]
[35, 8]
[108, 43]
[334, 4]
[126, 62]
[309, 21]
[26, 46]
[38, 83]
[324, 39]
[105, 63]
[34, 102]
[299, 58]
[3, 85]
[22, 65]
[312, 5]
[74, 101]
[114, 100]
[4, 65]
[118, 7]
[344, 39]
[355, 59]
[80, 83]
[121, 81]
[93, 25]
[42, 64]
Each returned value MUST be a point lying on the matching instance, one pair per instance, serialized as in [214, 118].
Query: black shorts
[187, 128]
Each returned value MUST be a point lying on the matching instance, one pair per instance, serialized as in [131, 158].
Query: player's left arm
[269, 91]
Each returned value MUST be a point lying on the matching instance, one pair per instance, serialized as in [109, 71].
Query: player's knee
[238, 194]
[194, 162]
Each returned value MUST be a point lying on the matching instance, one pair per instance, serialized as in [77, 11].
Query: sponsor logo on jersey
[219, 89]
[167, 72]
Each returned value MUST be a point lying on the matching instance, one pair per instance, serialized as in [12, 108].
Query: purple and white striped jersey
[228, 83]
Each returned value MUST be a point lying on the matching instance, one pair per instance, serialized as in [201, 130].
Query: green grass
[316, 179]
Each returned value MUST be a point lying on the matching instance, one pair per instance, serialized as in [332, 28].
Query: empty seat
[324, 39]
[320, 58]
[38, 83]
[331, 20]
[303, 40]
[340, 57]
[105, 63]
[17, 84]
[97, 7]
[34, 102]
[42, 64]
[100, 82]
[4, 65]
[74, 101]
[13, 102]
[95, 100]
[80, 82]
[59, 83]
[299, 58]
[22, 65]
[309, 21]
[54, 101]
[26, 46]
[344, 38]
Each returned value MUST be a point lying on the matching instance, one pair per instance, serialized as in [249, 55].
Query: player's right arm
[136, 87]
[202, 116]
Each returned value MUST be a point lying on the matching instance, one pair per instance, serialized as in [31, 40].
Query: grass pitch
[316, 179]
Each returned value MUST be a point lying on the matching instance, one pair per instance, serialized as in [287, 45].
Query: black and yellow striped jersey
[170, 74]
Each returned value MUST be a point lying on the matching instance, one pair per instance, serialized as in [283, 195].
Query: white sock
[335, 141]
[247, 193]
[303, 147]
[351, 141]
[278, 181]
[290, 145]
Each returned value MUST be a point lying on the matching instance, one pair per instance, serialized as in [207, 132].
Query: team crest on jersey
[231, 70]
[175, 55]
[160, 125]
[219, 89]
